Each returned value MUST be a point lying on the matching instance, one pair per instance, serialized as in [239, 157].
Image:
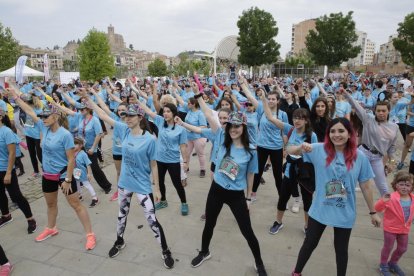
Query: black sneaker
[168, 259]
[108, 191]
[117, 247]
[260, 269]
[202, 256]
[31, 226]
[93, 203]
[262, 181]
[202, 173]
[5, 220]
[267, 167]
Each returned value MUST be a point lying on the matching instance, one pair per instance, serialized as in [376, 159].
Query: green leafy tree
[95, 58]
[257, 32]
[333, 41]
[9, 48]
[302, 58]
[404, 43]
[157, 68]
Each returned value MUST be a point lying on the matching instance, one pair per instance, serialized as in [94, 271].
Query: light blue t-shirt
[252, 127]
[137, 154]
[245, 161]
[337, 211]
[357, 95]
[185, 95]
[411, 119]
[7, 137]
[117, 136]
[295, 140]
[89, 129]
[73, 121]
[30, 128]
[368, 102]
[169, 141]
[216, 138]
[54, 147]
[314, 93]
[3, 105]
[195, 118]
[270, 136]
[82, 163]
[342, 108]
[398, 113]
[113, 105]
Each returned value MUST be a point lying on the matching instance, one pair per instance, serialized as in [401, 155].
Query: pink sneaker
[114, 197]
[23, 144]
[90, 241]
[47, 233]
[6, 269]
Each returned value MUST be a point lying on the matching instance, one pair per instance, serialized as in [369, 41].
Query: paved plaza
[65, 255]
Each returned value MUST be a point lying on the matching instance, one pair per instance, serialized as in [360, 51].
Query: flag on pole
[46, 67]
[21, 62]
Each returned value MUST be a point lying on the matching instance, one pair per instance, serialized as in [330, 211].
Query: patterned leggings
[147, 202]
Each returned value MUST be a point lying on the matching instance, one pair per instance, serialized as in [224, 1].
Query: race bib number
[29, 122]
[229, 168]
[335, 189]
[77, 173]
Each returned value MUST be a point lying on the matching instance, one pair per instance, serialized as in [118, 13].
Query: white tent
[27, 72]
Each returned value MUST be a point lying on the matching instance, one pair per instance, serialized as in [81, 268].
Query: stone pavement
[64, 254]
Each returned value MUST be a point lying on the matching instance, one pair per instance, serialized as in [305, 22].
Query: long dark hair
[6, 121]
[174, 111]
[143, 124]
[313, 115]
[225, 100]
[244, 139]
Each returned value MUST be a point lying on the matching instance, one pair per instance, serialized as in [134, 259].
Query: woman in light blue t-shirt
[339, 166]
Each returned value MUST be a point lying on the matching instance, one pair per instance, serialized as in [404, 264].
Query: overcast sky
[173, 26]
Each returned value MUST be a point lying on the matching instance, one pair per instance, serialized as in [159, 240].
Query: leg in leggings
[124, 200]
[99, 151]
[39, 150]
[3, 258]
[238, 206]
[162, 170]
[313, 235]
[262, 155]
[402, 130]
[98, 174]
[276, 158]
[31, 146]
[174, 169]
[341, 242]
[147, 202]
[19, 164]
[213, 208]
[402, 245]
[15, 195]
[88, 186]
[306, 198]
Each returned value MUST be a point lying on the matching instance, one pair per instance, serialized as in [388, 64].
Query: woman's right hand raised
[178, 120]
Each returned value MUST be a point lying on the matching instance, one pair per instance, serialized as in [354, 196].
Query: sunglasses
[248, 104]
[41, 116]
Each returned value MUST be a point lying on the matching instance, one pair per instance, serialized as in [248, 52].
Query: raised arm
[64, 109]
[235, 101]
[360, 111]
[14, 92]
[246, 90]
[321, 89]
[206, 110]
[69, 99]
[179, 99]
[187, 126]
[101, 103]
[146, 109]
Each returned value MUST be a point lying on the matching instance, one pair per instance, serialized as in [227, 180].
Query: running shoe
[90, 241]
[197, 261]
[117, 247]
[396, 269]
[31, 226]
[262, 181]
[184, 209]
[184, 182]
[296, 274]
[21, 172]
[94, 202]
[6, 269]
[34, 176]
[267, 167]
[295, 206]
[114, 197]
[275, 228]
[5, 220]
[24, 145]
[108, 191]
[260, 269]
[384, 270]
[161, 205]
[168, 259]
[400, 165]
[202, 173]
[47, 233]
[203, 217]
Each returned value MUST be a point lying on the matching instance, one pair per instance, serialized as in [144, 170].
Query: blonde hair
[167, 99]
[37, 103]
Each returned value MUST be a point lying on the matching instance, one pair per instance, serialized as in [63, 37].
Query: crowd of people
[324, 139]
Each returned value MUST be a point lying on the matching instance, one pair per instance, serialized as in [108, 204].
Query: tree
[9, 48]
[257, 30]
[404, 43]
[70, 65]
[95, 58]
[157, 68]
[333, 41]
[302, 58]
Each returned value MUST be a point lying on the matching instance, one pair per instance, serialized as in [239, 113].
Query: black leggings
[288, 185]
[98, 174]
[33, 145]
[276, 158]
[402, 130]
[174, 169]
[19, 164]
[217, 196]
[15, 195]
[3, 258]
[313, 235]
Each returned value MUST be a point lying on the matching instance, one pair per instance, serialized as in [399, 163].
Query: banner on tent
[21, 62]
[46, 67]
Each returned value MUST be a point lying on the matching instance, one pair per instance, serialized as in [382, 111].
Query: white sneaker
[295, 206]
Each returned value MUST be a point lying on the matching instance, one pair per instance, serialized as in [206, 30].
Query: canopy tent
[27, 72]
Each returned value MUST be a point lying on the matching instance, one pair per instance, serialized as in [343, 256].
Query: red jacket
[394, 215]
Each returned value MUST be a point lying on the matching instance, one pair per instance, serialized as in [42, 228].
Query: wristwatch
[67, 180]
